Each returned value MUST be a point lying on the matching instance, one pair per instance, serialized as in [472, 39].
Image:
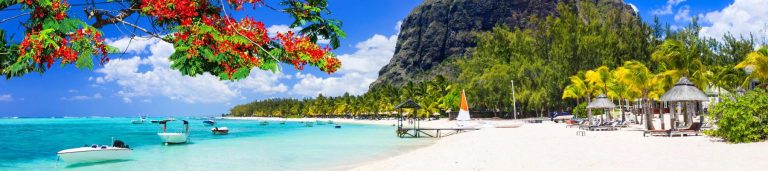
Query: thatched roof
[684, 90]
[601, 102]
[408, 104]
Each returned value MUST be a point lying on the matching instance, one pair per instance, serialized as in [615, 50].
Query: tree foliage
[742, 120]
[206, 39]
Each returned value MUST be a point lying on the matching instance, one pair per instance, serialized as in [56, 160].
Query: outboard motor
[119, 144]
[186, 126]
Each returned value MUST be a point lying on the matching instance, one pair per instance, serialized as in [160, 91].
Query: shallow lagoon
[32, 143]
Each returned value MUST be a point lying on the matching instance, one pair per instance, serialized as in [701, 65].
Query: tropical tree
[639, 79]
[757, 62]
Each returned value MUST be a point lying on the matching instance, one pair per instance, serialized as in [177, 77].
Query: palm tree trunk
[623, 118]
[648, 114]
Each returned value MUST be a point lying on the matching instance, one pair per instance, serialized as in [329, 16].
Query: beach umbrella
[684, 91]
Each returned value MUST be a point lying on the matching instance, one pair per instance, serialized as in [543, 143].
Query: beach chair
[695, 129]
[656, 132]
[583, 122]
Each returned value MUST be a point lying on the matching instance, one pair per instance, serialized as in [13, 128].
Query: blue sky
[139, 82]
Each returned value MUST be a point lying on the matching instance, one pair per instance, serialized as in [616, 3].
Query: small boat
[337, 126]
[94, 153]
[209, 122]
[308, 124]
[262, 123]
[220, 130]
[173, 137]
[142, 120]
[282, 122]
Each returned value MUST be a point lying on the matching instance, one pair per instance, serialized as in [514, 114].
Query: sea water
[32, 143]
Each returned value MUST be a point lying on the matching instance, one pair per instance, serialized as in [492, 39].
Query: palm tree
[677, 60]
[618, 90]
[757, 62]
[578, 88]
[598, 79]
[640, 79]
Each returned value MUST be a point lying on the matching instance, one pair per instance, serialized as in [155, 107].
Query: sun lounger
[695, 129]
[577, 124]
[656, 132]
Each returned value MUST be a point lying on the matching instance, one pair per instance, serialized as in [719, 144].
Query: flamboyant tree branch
[98, 15]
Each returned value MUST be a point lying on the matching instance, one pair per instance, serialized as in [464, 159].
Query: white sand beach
[550, 146]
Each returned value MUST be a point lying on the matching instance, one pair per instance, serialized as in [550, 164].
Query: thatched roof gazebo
[684, 91]
[601, 102]
[407, 104]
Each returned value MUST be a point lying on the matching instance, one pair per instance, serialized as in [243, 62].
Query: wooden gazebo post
[407, 104]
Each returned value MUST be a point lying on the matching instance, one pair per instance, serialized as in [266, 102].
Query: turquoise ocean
[32, 143]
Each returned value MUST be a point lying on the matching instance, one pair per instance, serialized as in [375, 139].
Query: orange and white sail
[464, 109]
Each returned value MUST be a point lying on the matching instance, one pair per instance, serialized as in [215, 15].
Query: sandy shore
[551, 146]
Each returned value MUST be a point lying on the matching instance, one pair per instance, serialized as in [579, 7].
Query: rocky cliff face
[438, 30]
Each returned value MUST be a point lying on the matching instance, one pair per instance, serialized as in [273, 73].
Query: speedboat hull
[220, 131]
[209, 122]
[173, 138]
[91, 154]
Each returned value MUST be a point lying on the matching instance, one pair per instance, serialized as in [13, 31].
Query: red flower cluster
[181, 10]
[239, 3]
[209, 37]
[47, 53]
[35, 44]
[300, 51]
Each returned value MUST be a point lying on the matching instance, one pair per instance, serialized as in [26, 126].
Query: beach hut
[684, 92]
[601, 102]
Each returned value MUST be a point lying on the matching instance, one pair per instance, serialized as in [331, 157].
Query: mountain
[440, 30]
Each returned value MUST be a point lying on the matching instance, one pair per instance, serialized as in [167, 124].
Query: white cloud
[740, 18]
[137, 45]
[83, 97]
[281, 28]
[667, 8]
[6, 98]
[634, 8]
[156, 78]
[274, 29]
[683, 15]
[72, 91]
[358, 70]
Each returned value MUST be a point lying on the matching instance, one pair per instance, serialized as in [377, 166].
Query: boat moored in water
[94, 153]
[173, 137]
[209, 122]
[142, 119]
[220, 130]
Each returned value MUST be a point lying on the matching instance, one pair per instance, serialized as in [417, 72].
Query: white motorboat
[142, 119]
[174, 137]
[95, 153]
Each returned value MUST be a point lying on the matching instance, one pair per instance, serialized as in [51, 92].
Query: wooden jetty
[417, 131]
[430, 132]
